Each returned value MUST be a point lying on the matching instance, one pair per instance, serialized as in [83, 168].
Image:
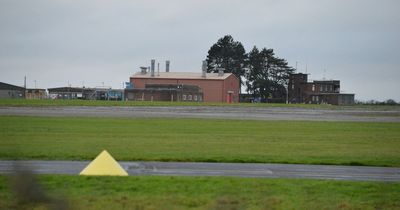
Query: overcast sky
[61, 42]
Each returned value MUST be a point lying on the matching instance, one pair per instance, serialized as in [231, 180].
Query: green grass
[208, 193]
[32, 102]
[68, 138]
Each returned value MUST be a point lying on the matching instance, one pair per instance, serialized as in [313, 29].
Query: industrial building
[207, 87]
[300, 90]
[99, 93]
[11, 91]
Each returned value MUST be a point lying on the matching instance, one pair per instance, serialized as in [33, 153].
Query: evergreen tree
[227, 54]
[267, 74]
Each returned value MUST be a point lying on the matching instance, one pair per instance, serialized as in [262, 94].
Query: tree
[267, 75]
[229, 55]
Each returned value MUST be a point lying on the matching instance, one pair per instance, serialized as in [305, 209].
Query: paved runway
[217, 169]
[219, 112]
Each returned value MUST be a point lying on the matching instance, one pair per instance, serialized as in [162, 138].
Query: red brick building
[300, 90]
[215, 87]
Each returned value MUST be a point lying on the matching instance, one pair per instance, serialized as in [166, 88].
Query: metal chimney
[143, 70]
[166, 66]
[158, 69]
[204, 69]
[220, 72]
[153, 63]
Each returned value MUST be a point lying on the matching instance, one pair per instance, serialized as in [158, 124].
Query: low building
[65, 93]
[165, 92]
[300, 90]
[35, 93]
[99, 93]
[215, 87]
[11, 91]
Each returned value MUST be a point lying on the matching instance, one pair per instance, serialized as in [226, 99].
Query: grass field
[31, 102]
[208, 193]
[68, 138]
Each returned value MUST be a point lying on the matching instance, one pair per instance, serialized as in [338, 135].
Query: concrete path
[358, 173]
[217, 112]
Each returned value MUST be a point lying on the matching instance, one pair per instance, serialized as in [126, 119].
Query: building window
[292, 86]
[184, 97]
[321, 88]
[313, 88]
[189, 97]
[195, 97]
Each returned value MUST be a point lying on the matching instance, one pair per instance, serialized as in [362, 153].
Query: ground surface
[360, 173]
[201, 140]
[219, 112]
[139, 134]
[149, 192]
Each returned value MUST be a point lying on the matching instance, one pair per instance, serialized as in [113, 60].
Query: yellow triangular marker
[104, 165]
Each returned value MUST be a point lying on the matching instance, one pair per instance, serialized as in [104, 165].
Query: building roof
[6, 86]
[326, 81]
[182, 75]
[65, 89]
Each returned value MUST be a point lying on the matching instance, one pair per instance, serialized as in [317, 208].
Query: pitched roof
[182, 75]
[6, 86]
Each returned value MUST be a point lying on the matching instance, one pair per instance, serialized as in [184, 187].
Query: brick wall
[213, 90]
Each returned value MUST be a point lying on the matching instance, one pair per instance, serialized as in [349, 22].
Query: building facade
[86, 93]
[214, 87]
[35, 93]
[11, 91]
[317, 91]
[165, 92]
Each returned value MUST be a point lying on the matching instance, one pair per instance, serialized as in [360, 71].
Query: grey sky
[59, 41]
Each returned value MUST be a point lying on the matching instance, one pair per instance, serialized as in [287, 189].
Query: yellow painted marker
[104, 165]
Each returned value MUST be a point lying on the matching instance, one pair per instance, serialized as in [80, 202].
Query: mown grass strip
[201, 140]
[204, 193]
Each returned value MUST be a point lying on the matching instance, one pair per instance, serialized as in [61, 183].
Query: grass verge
[201, 140]
[205, 193]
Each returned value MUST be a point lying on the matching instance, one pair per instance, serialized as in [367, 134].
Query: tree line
[263, 73]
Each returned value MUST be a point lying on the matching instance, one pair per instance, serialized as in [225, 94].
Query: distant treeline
[374, 102]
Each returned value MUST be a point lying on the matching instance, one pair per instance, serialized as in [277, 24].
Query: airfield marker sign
[104, 165]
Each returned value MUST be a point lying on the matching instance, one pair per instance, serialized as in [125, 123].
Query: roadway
[216, 112]
[355, 173]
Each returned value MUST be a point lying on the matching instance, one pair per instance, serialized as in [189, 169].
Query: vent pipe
[220, 72]
[204, 69]
[166, 66]
[153, 63]
[143, 70]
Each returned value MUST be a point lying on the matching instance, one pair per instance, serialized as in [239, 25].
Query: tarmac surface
[355, 173]
[216, 112]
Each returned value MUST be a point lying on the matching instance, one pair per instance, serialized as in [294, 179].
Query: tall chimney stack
[204, 69]
[153, 63]
[158, 69]
[166, 66]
